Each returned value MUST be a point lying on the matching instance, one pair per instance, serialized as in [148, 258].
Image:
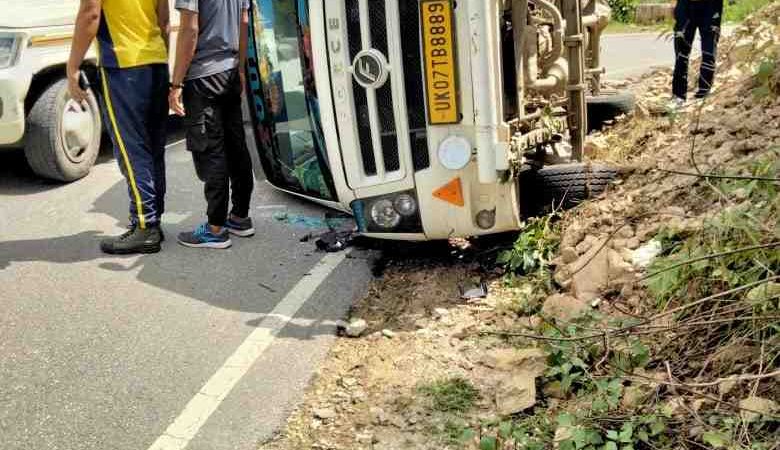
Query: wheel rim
[77, 130]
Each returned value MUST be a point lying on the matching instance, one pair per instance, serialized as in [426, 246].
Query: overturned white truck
[429, 119]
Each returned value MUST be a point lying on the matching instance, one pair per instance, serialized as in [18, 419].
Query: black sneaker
[135, 240]
[240, 227]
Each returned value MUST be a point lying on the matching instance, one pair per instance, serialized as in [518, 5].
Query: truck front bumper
[14, 84]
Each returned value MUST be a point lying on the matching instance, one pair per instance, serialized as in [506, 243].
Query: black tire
[562, 186]
[608, 106]
[46, 144]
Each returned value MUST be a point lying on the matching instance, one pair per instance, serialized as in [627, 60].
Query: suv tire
[562, 186]
[62, 142]
[607, 106]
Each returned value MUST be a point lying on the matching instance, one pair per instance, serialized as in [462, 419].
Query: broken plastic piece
[473, 290]
[335, 241]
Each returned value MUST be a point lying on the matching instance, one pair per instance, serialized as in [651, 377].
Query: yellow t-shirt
[129, 35]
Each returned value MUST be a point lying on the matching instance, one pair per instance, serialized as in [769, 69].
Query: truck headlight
[384, 215]
[398, 212]
[9, 49]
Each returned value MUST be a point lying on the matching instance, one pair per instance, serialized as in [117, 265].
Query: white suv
[60, 140]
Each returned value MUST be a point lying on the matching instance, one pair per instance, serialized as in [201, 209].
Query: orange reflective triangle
[451, 192]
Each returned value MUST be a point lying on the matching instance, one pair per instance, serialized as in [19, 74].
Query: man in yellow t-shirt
[132, 38]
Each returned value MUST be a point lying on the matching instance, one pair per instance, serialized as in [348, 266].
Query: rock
[626, 232]
[635, 395]
[530, 322]
[569, 255]
[725, 387]
[699, 403]
[586, 244]
[364, 438]
[695, 432]
[648, 230]
[562, 276]
[388, 334]
[378, 416]
[439, 313]
[563, 433]
[593, 273]
[516, 393]
[355, 328]
[554, 389]
[619, 270]
[618, 243]
[564, 307]
[644, 255]
[325, 413]
[756, 408]
[572, 236]
[529, 360]
[673, 211]
[595, 145]
[674, 407]
[764, 292]
[633, 243]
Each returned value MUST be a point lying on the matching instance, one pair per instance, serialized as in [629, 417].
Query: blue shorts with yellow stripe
[135, 111]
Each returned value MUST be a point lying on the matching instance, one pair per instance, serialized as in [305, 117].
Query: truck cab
[426, 119]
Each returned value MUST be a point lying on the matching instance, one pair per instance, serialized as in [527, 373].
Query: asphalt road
[631, 55]
[103, 353]
[140, 353]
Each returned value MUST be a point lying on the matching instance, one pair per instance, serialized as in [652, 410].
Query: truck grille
[388, 142]
[385, 106]
[413, 80]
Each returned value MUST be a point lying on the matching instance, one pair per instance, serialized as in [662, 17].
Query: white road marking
[207, 400]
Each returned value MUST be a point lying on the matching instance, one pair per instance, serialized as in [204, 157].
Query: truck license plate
[440, 68]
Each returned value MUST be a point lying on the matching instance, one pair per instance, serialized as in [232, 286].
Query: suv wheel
[63, 140]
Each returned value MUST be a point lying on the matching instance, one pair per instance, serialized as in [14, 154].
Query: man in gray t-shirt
[218, 31]
[208, 82]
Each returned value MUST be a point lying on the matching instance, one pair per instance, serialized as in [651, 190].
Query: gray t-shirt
[218, 22]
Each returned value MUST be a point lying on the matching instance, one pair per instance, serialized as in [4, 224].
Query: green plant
[455, 395]
[533, 432]
[623, 10]
[766, 79]
[585, 433]
[739, 10]
[533, 250]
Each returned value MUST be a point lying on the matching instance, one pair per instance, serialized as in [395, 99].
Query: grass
[454, 395]
[741, 9]
[731, 14]
[616, 27]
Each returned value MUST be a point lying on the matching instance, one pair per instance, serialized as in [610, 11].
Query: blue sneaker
[240, 227]
[202, 237]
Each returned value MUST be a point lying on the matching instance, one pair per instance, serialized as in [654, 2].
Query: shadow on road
[66, 249]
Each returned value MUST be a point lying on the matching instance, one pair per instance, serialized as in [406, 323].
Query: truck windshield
[284, 102]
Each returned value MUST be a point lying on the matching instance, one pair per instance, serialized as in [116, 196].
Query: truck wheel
[562, 186]
[607, 106]
[63, 140]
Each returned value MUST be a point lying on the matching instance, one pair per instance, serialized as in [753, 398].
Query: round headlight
[455, 152]
[405, 204]
[384, 215]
